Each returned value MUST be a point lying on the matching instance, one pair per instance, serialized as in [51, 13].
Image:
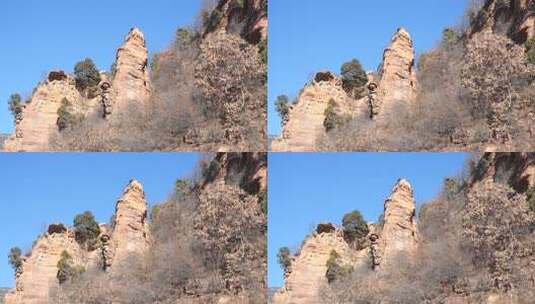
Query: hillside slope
[205, 92]
[473, 91]
[206, 244]
[472, 244]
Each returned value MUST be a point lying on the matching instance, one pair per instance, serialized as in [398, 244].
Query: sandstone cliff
[37, 123]
[306, 278]
[207, 244]
[517, 15]
[129, 234]
[393, 83]
[473, 244]
[395, 236]
[397, 78]
[247, 18]
[129, 238]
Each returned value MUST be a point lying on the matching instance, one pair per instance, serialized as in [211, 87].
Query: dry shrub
[206, 244]
[232, 79]
[473, 93]
[207, 94]
[476, 239]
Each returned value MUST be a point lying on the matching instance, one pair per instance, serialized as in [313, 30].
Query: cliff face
[230, 223]
[395, 236]
[131, 84]
[247, 18]
[129, 237]
[39, 269]
[306, 278]
[37, 122]
[393, 83]
[306, 116]
[517, 15]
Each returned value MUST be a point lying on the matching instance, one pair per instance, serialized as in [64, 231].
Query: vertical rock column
[131, 235]
[131, 82]
[399, 234]
[397, 77]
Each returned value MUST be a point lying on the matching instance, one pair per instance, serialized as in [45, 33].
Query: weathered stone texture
[397, 77]
[131, 82]
[304, 281]
[399, 234]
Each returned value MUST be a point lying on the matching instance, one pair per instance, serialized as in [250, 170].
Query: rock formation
[39, 269]
[519, 15]
[131, 81]
[130, 234]
[37, 122]
[395, 236]
[307, 114]
[248, 18]
[306, 277]
[394, 82]
[397, 78]
[399, 235]
[128, 237]
[35, 126]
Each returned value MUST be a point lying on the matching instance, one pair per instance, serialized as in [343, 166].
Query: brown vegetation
[475, 93]
[476, 241]
[208, 243]
[208, 93]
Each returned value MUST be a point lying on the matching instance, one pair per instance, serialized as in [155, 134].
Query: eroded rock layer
[131, 234]
[306, 278]
[518, 15]
[399, 234]
[37, 122]
[394, 83]
[305, 120]
[397, 77]
[396, 235]
[129, 237]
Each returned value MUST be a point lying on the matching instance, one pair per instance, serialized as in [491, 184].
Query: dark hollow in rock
[325, 228]
[56, 228]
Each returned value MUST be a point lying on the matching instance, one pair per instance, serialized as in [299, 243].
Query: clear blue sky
[39, 189]
[308, 36]
[38, 36]
[306, 189]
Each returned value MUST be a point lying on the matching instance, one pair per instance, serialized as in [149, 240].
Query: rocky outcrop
[306, 116]
[131, 81]
[37, 122]
[248, 170]
[130, 233]
[37, 275]
[393, 83]
[397, 79]
[517, 15]
[248, 18]
[395, 236]
[399, 234]
[129, 237]
[306, 278]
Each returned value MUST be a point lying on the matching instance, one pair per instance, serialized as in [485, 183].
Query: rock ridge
[395, 235]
